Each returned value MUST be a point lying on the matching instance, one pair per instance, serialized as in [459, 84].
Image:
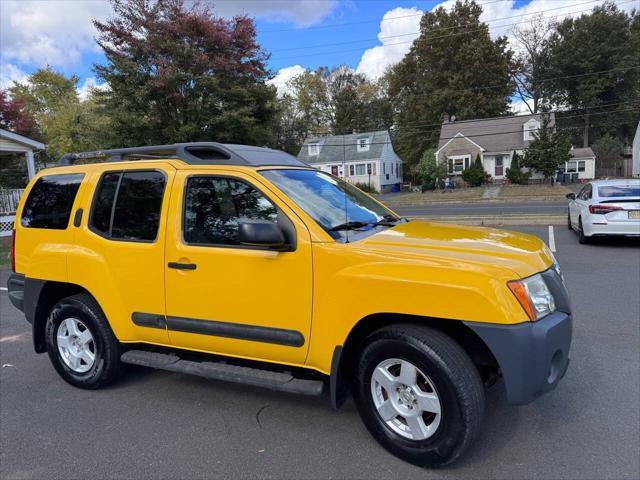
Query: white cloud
[396, 35]
[302, 13]
[89, 85]
[39, 33]
[10, 73]
[284, 76]
[519, 107]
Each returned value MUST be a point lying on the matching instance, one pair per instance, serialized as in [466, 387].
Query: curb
[494, 220]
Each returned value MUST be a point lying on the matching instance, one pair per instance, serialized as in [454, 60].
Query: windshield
[323, 198]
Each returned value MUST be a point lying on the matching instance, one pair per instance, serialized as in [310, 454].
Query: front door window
[499, 166]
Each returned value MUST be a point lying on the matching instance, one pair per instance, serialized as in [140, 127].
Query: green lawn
[533, 191]
[5, 251]
[457, 195]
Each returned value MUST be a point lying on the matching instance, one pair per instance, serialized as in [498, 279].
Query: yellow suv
[243, 264]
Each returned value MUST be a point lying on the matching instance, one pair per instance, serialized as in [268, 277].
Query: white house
[495, 140]
[366, 157]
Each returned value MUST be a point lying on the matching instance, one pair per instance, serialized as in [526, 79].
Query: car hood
[523, 254]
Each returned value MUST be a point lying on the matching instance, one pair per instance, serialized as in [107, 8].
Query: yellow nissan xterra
[244, 264]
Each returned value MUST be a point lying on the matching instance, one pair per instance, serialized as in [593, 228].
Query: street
[154, 424]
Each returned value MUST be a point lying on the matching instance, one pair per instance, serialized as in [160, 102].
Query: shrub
[475, 174]
[365, 187]
[515, 174]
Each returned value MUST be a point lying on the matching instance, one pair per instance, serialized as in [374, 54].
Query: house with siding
[495, 140]
[366, 157]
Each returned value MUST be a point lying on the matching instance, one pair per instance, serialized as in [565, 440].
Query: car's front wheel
[582, 238]
[419, 394]
[80, 343]
[569, 220]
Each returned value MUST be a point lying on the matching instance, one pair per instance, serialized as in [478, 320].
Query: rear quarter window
[50, 201]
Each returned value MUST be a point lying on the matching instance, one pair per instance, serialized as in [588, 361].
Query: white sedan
[605, 207]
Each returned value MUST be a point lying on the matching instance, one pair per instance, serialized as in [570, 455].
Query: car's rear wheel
[419, 394]
[80, 343]
[582, 238]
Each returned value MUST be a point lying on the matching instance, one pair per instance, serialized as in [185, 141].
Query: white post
[31, 167]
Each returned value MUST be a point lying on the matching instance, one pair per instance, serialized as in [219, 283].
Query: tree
[178, 73]
[547, 151]
[429, 170]
[515, 174]
[446, 73]
[15, 117]
[594, 63]
[532, 61]
[608, 151]
[475, 174]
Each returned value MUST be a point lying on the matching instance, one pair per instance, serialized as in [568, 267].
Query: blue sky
[300, 34]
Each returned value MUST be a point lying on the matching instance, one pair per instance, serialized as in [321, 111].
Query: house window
[363, 145]
[361, 169]
[572, 167]
[581, 165]
[351, 171]
[458, 164]
[530, 129]
[373, 169]
[314, 149]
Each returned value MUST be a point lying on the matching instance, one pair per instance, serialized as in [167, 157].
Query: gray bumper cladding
[15, 289]
[533, 356]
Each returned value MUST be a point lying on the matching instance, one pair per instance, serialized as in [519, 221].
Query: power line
[421, 124]
[544, 80]
[556, 127]
[293, 57]
[360, 22]
[437, 29]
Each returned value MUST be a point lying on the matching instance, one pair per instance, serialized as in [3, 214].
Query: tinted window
[215, 206]
[138, 202]
[619, 191]
[50, 201]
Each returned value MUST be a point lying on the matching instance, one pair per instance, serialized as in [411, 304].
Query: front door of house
[334, 170]
[499, 166]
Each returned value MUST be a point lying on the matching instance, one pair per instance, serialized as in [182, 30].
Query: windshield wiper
[351, 225]
[389, 221]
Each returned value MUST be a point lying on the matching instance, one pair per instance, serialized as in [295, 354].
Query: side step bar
[283, 382]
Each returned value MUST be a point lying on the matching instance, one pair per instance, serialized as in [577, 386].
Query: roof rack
[194, 153]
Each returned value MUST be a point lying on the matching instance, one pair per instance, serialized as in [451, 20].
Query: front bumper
[532, 356]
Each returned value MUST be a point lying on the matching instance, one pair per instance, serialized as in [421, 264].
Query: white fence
[8, 205]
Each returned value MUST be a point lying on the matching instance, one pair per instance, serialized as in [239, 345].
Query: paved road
[488, 208]
[160, 425]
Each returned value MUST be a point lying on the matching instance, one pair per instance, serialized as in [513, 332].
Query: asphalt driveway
[156, 424]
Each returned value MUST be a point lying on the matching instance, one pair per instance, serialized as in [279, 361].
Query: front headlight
[534, 296]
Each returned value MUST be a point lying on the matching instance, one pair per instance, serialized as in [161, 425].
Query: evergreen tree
[446, 73]
[514, 173]
[475, 174]
[547, 151]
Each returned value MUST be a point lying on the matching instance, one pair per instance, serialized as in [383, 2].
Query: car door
[119, 247]
[576, 204]
[225, 297]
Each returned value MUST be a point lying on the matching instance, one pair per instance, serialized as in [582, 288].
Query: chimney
[445, 118]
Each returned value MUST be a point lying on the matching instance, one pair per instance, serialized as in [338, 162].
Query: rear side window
[50, 201]
[215, 206]
[127, 205]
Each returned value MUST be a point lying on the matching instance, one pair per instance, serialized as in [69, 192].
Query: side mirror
[571, 196]
[261, 233]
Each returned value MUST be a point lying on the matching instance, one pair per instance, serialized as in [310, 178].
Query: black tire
[107, 366]
[582, 238]
[569, 220]
[456, 381]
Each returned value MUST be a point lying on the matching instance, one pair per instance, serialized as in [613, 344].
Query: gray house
[366, 157]
[495, 140]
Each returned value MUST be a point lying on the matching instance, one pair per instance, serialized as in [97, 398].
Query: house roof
[25, 141]
[582, 153]
[339, 148]
[496, 134]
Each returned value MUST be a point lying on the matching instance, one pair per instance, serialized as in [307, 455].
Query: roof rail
[194, 153]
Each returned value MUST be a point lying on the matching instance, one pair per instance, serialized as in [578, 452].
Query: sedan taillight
[603, 209]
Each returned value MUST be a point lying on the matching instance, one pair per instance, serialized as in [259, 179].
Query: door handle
[182, 266]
